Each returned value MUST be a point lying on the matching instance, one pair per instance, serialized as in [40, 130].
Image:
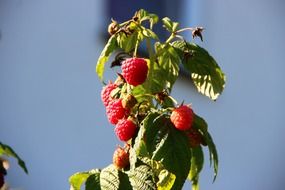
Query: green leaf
[169, 61]
[197, 162]
[144, 15]
[170, 25]
[8, 151]
[109, 178]
[199, 123]
[125, 183]
[195, 185]
[149, 33]
[128, 42]
[105, 54]
[93, 182]
[141, 177]
[205, 72]
[168, 145]
[166, 180]
[77, 179]
[140, 146]
[162, 73]
[113, 179]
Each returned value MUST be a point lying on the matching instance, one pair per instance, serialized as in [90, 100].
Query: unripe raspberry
[115, 111]
[125, 129]
[121, 158]
[135, 70]
[195, 138]
[182, 117]
[113, 27]
[129, 101]
[106, 93]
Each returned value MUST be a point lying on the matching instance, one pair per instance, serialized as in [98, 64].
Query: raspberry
[1, 179]
[121, 158]
[134, 70]
[106, 92]
[195, 138]
[115, 111]
[182, 117]
[125, 129]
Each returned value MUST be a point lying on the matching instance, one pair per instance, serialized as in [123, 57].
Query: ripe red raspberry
[115, 111]
[195, 138]
[121, 158]
[125, 129]
[106, 92]
[134, 70]
[182, 117]
[1, 179]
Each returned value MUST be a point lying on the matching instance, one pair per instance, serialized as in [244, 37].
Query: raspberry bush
[163, 140]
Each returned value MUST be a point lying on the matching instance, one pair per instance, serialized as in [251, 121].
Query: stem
[171, 37]
[184, 29]
[136, 48]
[149, 48]
[149, 95]
[173, 100]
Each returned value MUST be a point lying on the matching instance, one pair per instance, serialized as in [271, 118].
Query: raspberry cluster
[119, 101]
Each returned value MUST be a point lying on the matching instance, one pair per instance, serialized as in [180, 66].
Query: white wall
[52, 116]
[247, 39]
[50, 109]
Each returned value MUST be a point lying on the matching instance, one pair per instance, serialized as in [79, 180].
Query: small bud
[129, 101]
[113, 27]
[120, 80]
[198, 32]
[161, 96]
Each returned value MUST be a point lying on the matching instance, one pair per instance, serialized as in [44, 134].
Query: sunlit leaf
[105, 54]
[144, 15]
[204, 70]
[166, 180]
[170, 25]
[141, 177]
[77, 179]
[162, 73]
[168, 145]
[113, 179]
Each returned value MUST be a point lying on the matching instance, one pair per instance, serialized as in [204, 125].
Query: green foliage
[8, 151]
[77, 179]
[161, 157]
[197, 162]
[141, 177]
[110, 179]
[205, 72]
[169, 25]
[166, 180]
[201, 124]
[93, 182]
[169, 146]
[109, 48]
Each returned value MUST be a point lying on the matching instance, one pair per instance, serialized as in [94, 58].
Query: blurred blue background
[51, 114]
